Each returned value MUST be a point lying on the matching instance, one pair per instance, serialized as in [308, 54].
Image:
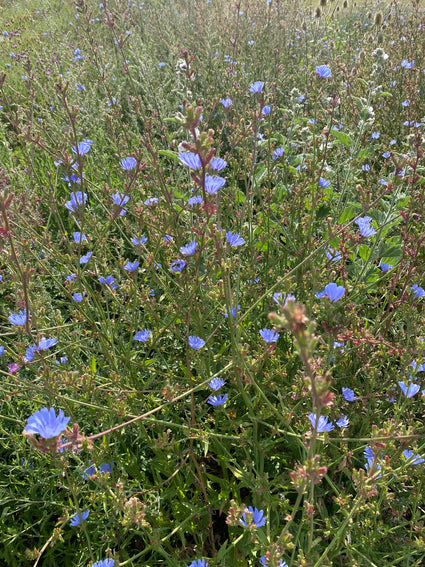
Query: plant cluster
[211, 283]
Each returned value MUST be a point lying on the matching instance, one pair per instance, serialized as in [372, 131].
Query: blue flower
[348, 394]
[78, 55]
[142, 336]
[83, 147]
[196, 342]
[283, 298]
[139, 241]
[216, 383]
[217, 400]
[45, 423]
[213, 184]
[131, 266]
[198, 563]
[234, 240]
[420, 368]
[333, 255]
[128, 163]
[417, 291]
[323, 71]
[1, 350]
[233, 312]
[104, 562]
[255, 518]
[18, 318]
[365, 167]
[104, 468]
[191, 160]
[78, 518]
[365, 229]
[370, 457]
[89, 472]
[79, 237]
[218, 164]
[189, 249]
[375, 135]
[386, 155]
[263, 561]
[29, 354]
[86, 258]
[120, 199]
[151, 201]
[73, 178]
[177, 265]
[269, 336]
[109, 280]
[78, 297]
[195, 201]
[324, 182]
[409, 391]
[77, 200]
[266, 110]
[343, 421]
[278, 152]
[385, 267]
[161, 64]
[226, 102]
[44, 344]
[407, 65]
[323, 424]
[332, 291]
[256, 87]
[416, 459]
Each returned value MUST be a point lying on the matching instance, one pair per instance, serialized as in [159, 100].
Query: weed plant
[212, 283]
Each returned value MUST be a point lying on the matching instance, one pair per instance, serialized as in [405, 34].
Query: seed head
[378, 18]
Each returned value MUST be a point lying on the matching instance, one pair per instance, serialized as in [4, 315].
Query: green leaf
[363, 153]
[239, 196]
[170, 154]
[93, 365]
[342, 137]
[364, 252]
[348, 213]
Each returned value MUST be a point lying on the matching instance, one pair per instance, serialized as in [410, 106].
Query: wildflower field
[212, 281]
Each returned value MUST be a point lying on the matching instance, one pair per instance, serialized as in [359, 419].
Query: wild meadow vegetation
[212, 283]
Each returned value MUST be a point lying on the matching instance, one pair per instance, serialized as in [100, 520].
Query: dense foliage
[211, 299]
